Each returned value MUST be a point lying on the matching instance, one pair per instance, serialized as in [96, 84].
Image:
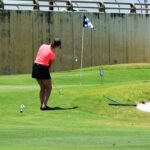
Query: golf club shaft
[112, 100]
[58, 90]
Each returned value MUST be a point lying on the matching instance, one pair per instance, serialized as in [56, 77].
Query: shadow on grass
[61, 108]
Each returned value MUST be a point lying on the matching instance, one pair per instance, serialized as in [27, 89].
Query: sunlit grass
[93, 125]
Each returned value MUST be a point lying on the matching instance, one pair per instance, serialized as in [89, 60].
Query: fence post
[1, 4]
[133, 8]
[145, 1]
[70, 5]
[36, 5]
[102, 7]
[51, 3]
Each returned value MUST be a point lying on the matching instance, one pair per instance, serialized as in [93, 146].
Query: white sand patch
[144, 106]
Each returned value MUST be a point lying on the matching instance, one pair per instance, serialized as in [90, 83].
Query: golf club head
[61, 93]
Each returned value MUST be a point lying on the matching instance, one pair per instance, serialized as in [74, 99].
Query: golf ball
[76, 60]
[22, 106]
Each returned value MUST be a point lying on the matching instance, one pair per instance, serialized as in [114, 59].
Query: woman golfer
[40, 70]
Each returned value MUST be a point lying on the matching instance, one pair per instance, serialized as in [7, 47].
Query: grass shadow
[61, 108]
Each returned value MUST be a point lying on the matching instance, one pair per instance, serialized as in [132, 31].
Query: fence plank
[6, 45]
[135, 35]
[77, 39]
[22, 31]
[117, 35]
[62, 24]
[100, 41]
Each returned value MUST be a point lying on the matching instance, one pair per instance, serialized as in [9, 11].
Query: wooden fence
[118, 38]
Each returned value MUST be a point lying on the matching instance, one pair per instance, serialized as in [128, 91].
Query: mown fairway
[93, 125]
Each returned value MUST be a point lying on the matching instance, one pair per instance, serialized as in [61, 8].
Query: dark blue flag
[87, 23]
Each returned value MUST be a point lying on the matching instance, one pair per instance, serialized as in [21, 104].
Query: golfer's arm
[50, 64]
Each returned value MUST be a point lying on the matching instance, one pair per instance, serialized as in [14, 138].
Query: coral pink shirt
[45, 55]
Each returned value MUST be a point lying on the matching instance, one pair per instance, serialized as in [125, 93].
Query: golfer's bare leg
[42, 92]
[48, 88]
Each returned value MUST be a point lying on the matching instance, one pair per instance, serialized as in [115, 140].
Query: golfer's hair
[56, 42]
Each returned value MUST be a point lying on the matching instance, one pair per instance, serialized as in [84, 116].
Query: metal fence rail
[75, 5]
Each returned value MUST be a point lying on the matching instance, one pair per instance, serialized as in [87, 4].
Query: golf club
[58, 90]
[116, 103]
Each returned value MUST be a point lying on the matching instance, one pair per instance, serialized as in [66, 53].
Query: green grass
[93, 125]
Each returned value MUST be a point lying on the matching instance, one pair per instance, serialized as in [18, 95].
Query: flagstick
[101, 79]
[82, 56]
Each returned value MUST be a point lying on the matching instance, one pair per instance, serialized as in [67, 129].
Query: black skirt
[40, 71]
